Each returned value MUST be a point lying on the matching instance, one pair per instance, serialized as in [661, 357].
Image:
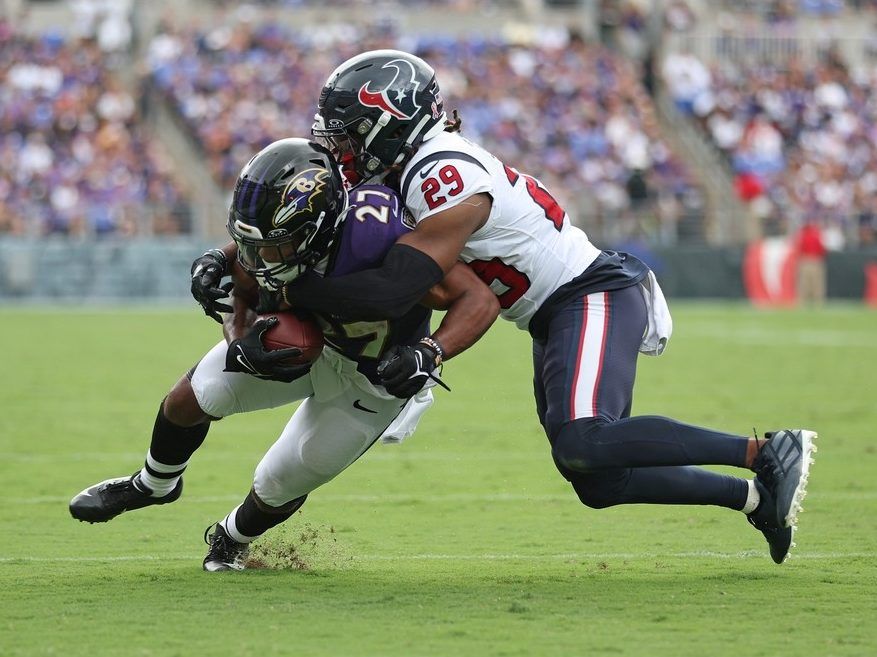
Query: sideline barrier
[142, 269]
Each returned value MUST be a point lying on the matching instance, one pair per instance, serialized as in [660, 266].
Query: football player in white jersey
[589, 311]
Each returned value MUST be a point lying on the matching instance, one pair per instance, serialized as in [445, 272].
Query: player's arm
[236, 324]
[417, 262]
[471, 307]
[443, 235]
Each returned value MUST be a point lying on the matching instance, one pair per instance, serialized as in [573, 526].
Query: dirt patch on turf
[299, 546]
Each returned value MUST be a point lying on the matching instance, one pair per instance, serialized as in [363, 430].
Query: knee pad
[601, 489]
[215, 397]
[573, 445]
[275, 487]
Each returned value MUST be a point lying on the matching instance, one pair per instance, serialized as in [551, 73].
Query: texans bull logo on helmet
[398, 96]
[300, 194]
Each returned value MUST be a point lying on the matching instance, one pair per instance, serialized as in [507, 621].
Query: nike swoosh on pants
[360, 407]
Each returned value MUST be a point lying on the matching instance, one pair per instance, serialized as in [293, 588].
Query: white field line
[395, 498]
[568, 556]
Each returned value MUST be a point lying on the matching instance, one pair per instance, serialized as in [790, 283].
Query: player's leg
[590, 433]
[613, 459]
[600, 488]
[320, 441]
[229, 548]
[588, 396]
[589, 371]
[179, 429]
[204, 394]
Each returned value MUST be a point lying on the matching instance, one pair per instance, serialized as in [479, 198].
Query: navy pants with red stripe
[583, 378]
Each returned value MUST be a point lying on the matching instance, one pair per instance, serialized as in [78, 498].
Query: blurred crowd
[579, 115]
[574, 114]
[463, 5]
[802, 140]
[781, 11]
[626, 24]
[74, 158]
[107, 22]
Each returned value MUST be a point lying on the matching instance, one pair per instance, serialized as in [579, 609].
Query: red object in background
[769, 268]
[809, 243]
[871, 284]
[748, 186]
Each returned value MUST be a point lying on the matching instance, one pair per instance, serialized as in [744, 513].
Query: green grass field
[463, 540]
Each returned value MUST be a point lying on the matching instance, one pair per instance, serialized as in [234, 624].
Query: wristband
[219, 254]
[434, 344]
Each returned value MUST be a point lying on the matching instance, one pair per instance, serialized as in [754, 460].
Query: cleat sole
[808, 448]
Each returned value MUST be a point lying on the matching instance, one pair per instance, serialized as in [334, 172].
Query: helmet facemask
[287, 209]
[274, 262]
[356, 163]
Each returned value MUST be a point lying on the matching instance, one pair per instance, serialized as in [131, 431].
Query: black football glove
[207, 272]
[248, 355]
[404, 370]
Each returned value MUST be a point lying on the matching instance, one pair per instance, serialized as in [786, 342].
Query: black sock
[253, 517]
[169, 453]
[172, 444]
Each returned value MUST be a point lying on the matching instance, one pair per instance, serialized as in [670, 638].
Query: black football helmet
[376, 109]
[288, 206]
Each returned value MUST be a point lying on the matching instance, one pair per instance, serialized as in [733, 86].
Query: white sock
[231, 528]
[752, 498]
[160, 485]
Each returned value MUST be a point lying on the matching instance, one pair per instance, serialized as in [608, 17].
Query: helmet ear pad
[392, 148]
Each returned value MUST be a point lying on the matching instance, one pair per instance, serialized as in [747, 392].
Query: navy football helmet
[288, 206]
[376, 109]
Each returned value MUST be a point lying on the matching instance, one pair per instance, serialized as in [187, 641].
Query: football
[294, 330]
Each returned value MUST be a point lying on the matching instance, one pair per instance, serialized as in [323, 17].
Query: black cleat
[783, 466]
[225, 553]
[779, 538]
[106, 500]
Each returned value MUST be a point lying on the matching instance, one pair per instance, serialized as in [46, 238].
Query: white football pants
[341, 416]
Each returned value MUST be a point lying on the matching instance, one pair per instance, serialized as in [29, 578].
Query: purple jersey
[374, 221]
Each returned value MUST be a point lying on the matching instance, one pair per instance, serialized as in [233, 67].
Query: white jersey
[527, 248]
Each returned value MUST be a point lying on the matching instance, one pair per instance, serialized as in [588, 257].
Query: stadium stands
[126, 121]
[800, 138]
[577, 114]
[76, 159]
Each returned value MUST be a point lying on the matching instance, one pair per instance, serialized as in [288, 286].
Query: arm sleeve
[386, 292]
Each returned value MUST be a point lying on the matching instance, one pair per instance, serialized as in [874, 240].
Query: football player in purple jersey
[291, 216]
[589, 311]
